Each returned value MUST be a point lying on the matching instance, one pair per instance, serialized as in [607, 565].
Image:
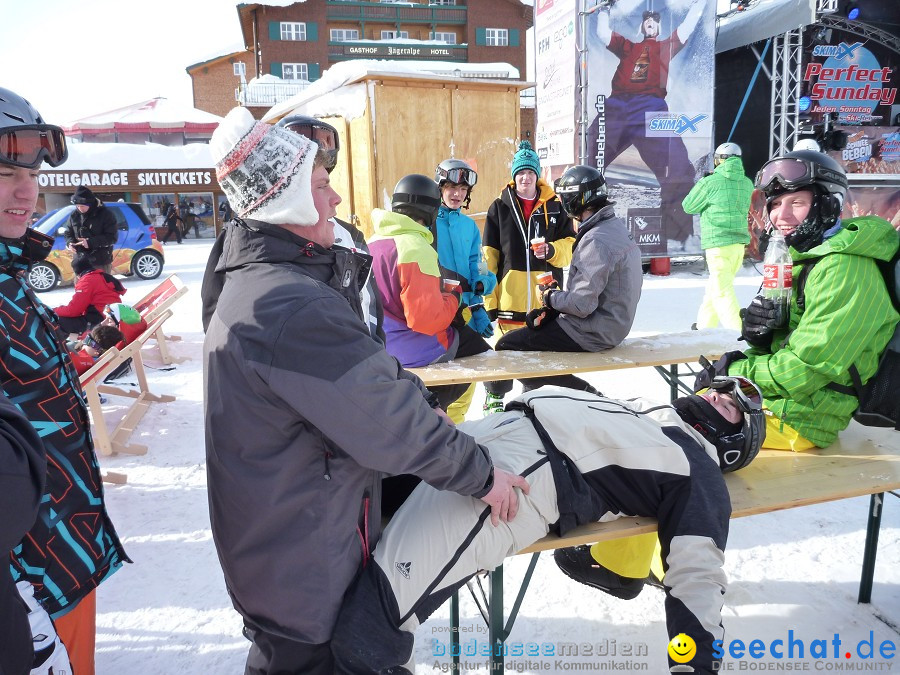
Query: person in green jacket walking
[723, 201]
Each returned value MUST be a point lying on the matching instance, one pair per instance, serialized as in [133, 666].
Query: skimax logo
[676, 124]
[840, 52]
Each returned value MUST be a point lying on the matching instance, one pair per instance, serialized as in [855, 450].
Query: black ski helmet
[325, 135]
[580, 188]
[806, 170]
[418, 197]
[25, 139]
[736, 443]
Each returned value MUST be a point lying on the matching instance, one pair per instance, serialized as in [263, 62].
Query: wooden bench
[864, 460]
[157, 301]
[663, 352]
[92, 383]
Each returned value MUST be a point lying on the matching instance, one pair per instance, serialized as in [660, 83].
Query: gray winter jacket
[304, 411]
[604, 284]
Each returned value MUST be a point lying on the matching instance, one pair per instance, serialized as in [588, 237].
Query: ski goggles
[459, 176]
[325, 135]
[89, 341]
[793, 172]
[745, 393]
[648, 14]
[27, 145]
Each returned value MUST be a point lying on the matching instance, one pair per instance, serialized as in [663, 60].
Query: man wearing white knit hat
[305, 411]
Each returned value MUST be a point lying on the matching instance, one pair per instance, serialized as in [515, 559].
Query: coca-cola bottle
[777, 277]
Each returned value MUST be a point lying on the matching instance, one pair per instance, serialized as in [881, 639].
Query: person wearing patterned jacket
[586, 459]
[72, 546]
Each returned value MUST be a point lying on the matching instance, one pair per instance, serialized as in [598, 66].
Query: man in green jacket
[846, 318]
[723, 200]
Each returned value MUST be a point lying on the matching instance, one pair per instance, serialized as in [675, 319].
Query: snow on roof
[324, 96]
[222, 52]
[155, 113]
[124, 156]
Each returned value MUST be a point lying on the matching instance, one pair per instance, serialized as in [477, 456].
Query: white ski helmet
[807, 144]
[726, 150]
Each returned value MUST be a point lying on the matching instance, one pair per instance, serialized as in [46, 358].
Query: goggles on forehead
[326, 137]
[793, 172]
[27, 145]
[458, 176]
[745, 393]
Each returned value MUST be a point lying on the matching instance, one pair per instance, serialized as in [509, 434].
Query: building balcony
[268, 93]
[384, 12]
[395, 50]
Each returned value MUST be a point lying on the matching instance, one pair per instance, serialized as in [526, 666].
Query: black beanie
[83, 195]
[81, 264]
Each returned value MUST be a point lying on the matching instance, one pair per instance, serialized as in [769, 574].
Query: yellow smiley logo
[682, 648]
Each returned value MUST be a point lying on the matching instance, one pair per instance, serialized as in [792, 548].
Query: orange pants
[77, 630]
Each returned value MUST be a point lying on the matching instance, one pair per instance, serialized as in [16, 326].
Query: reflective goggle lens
[746, 394]
[92, 343]
[325, 137]
[460, 176]
[26, 146]
[788, 171]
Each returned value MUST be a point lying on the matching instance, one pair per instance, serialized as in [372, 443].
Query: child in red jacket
[94, 289]
[93, 345]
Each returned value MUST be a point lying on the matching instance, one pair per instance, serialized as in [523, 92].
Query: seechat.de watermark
[794, 653]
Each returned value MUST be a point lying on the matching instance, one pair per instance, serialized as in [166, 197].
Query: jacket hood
[253, 241]
[608, 212]
[390, 224]
[20, 253]
[732, 168]
[866, 236]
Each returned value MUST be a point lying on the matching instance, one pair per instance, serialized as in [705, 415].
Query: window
[294, 71]
[392, 34]
[293, 31]
[344, 34]
[496, 37]
[239, 68]
[449, 38]
[442, 2]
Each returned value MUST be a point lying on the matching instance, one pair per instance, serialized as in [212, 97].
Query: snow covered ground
[168, 613]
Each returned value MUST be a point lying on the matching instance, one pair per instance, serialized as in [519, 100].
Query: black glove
[540, 317]
[758, 322]
[547, 292]
[710, 370]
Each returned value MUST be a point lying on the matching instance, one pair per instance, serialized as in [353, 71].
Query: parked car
[136, 252]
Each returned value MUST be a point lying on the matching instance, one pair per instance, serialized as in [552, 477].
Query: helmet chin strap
[824, 212]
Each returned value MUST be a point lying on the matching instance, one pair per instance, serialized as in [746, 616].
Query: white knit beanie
[265, 171]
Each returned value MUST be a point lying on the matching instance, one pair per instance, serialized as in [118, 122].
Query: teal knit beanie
[525, 158]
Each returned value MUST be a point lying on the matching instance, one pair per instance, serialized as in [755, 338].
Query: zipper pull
[327, 468]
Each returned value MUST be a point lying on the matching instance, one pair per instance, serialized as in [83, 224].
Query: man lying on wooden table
[586, 458]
